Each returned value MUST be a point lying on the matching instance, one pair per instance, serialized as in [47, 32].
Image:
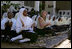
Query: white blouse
[27, 23]
[6, 20]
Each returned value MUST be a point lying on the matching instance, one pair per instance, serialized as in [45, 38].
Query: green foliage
[5, 7]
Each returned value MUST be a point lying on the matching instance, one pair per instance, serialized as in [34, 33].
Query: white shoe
[13, 39]
[24, 40]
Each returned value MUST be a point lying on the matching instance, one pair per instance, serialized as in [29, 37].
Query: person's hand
[6, 24]
[33, 25]
[49, 23]
[10, 24]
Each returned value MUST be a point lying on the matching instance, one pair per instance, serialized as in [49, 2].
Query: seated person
[42, 24]
[53, 21]
[58, 27]
[35, 18]
[24, 27]
[8, 26]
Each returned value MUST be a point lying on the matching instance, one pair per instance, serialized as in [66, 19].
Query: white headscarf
[25, 19]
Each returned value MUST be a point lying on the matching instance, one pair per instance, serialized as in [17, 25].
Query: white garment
[46, 21]
[25, 19]
[24, 40]
[6, 20]
[17, 37]
[12, 9]
[63, 20]
[27, 23]
[5, 15]
[16, 15]
[58, 22]
[68, 21]
[33, 18]
[47, 16]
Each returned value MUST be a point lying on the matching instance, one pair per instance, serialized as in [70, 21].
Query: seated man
[24, 27]
[8, 26]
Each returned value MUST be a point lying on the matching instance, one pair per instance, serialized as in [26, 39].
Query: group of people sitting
[24, 29]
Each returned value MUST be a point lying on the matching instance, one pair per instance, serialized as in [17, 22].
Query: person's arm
[33, 25]
[22, 23]
[43, 23]
[18, 25]
[47, 24]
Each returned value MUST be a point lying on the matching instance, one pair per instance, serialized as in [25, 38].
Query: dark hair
[10, 13]
[59, 19]
[32, 9]
[22, 7]
[4, 4]
[48, 12]
[54, 18]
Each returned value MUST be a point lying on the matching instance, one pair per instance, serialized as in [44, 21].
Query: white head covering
[21, 10]
[26, 20]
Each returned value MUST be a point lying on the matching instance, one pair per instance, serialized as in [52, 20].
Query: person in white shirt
[66, 22]
[24, 27]
[8, 26]
[59, 26]
[35, 18]
[12, 9]
[43, 24]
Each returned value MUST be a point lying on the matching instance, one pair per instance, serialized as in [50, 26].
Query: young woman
[42, 24]
[24, 27]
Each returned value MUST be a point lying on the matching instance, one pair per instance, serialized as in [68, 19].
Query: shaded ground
[64, 44]
[43, 42]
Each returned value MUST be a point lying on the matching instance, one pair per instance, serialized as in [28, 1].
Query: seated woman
[8, 26]
[24, 27]
[42, 24]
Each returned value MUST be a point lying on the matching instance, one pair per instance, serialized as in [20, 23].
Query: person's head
[25, 12]
[32, 9]
[54, 18]
[43, 13]
[49, 17]
[60, 19]
[10, 15]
